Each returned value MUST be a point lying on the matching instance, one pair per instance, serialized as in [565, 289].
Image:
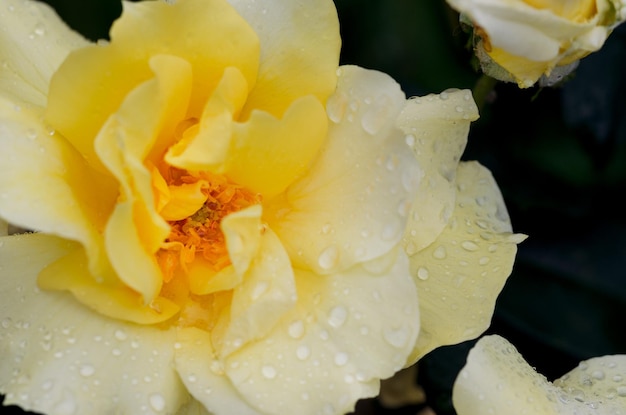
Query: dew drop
[410, 140]
[268, 372]
[296, 329]
[120, 335]
[337, 317]
[329, 257]
[336, 107]
[397, 337]
[303, 352]
[469, 246]
[87, 370]
[440, 252]
[157, 402]
[374, 119]
[341, 359]
[422, 273]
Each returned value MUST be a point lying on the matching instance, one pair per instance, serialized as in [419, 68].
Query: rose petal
[352, 206]
[300, 45]
[135, 230]
[203, 376]
[56, 192]
[497, 380]
[437, 127]
[346, 332]
[266, 293]
[210, 35]
[33, 43]
[460, 275]
[67, 359]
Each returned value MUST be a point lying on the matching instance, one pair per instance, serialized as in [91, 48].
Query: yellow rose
[225, 220]
[523, 40]
[497, 380]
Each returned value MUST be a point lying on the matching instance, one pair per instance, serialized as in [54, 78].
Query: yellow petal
[497, 380]
[4, 228]
[436, 128]
[185, 200]
[57, 192]
[61, 357]
[242, 231]
[208, 34]
[346, 332]
[33, 43]
[269, 154]
[135, 230]
[206, 147]
[300, 45]
[460, 275]
[108, 296]
[352, 205]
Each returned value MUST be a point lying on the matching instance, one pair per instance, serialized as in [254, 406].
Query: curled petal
[460, 275]
[436, 128]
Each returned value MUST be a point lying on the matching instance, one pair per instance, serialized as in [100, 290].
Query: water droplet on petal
[422, 273]
[469, 246]
[87, 370]
[296, 329]
[397, 337]
[337, 317]
[329, 257]
[341, 359]
[268, 372]
[157, 402]
[120, 335]
[303, 352]
[440, 252]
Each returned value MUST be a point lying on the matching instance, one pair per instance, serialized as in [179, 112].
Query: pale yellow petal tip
[497, 380]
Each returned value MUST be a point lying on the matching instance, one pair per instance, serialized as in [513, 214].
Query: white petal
[352, 206]
[497, 380]
[61, 358]
[33, 43]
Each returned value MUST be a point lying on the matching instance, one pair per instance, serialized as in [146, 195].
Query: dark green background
[559, 156]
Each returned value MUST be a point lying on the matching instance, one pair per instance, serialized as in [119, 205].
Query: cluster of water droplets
[61, 363]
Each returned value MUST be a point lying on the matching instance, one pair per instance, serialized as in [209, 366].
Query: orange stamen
[200, 234]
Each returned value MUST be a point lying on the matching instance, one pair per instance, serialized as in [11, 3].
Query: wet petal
[214, 36]
[436, 128]
[346, 332]
[33, 43]
[266, 293]
[352, 205]
[460, 275]
[300, 45]
[497, 380]
[63, 356]
[57, 192]
[204, 377]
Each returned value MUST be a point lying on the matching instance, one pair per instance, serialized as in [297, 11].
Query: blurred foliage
[558, 154]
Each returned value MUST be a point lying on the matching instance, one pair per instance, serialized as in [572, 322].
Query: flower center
[200, 233]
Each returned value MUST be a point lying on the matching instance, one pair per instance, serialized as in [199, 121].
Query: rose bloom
[226, 221]
[497, 380]
[523, 40]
